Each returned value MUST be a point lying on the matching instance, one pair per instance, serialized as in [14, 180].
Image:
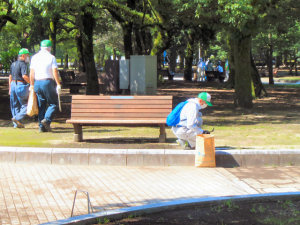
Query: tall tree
[6, 13]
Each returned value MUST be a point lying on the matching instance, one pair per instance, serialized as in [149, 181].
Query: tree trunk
[138, 42]
[291, 65]
[258, 86]
[243, 82]
[270, 64]
[102, 55]
[278, 61]
[181, 59]
[53, 32]
[231, 45]
[188, 69]
[81, 66]
[66, 65]
[172, 64]
[295, 60]
[86, 29]
[127, 38]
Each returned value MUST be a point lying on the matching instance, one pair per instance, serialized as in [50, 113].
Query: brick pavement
[33, 194]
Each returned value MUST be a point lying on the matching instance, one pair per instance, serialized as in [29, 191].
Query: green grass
[292, 78]
[233, 136]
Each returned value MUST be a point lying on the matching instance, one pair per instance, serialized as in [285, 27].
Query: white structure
[143, 74]
[124, 73]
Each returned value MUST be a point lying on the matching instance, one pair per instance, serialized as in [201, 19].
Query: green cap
[205, 97]
[24, 51]
[46, 43]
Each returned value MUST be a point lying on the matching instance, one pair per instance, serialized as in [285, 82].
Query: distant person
[19, 88]
[226, 71]
[219, 68]
[201, 71]
[191, 120]
[44, 79]
[209, 66]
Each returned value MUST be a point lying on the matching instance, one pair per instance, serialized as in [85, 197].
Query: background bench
[91, 110]
[68, 79]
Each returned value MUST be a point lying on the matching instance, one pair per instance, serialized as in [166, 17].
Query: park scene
[149, 112]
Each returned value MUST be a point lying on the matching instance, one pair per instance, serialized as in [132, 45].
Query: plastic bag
[32, 106]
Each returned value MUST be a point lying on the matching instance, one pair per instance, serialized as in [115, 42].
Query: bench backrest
[92, 107]
[67, 76]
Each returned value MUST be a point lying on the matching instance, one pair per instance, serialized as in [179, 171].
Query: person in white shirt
[191, 120]
[44, 79]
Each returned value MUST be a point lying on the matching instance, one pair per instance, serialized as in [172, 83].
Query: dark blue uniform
[19, 90]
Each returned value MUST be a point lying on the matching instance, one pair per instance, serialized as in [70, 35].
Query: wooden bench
[68, 79]
[94, 110]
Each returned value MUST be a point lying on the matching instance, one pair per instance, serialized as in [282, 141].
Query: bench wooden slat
[122, 110]
[108, 122]
[123, 97]
[118, 115]
[103, 106]
[120, 101]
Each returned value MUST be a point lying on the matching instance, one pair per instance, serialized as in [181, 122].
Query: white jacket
[191, 117]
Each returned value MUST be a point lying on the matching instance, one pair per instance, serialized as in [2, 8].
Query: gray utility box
[124, 73]
[143, 75]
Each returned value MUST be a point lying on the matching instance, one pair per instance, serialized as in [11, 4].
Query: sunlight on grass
[242, 136]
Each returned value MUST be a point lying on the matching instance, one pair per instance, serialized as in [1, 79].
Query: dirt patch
[274, 211]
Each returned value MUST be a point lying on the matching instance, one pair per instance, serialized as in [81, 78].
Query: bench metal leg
[162, 134]
[77, 132]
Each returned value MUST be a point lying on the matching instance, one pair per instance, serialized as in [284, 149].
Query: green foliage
[8, 57]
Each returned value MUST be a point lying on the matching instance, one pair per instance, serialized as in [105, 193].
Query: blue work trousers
[19, 93]
[47, 99]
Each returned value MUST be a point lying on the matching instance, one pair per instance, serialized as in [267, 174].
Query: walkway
[33, 194]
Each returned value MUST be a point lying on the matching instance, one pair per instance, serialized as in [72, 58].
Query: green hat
[46, 43]
[205, 97]
[24, 51]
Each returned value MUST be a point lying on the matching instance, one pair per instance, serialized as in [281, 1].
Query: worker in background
[19, 88]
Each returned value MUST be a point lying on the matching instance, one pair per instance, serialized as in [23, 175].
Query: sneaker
[46, 125]
[181, 142]
[189, 148]
[18, 123]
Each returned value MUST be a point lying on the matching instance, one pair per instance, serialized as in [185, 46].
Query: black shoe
[46, 125]
[19, 124]
[42, 129]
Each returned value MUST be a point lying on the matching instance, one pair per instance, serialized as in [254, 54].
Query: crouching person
[191, 121]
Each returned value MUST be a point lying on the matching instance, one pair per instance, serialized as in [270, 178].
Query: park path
[34, 194]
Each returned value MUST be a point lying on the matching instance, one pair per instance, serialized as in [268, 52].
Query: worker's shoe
[18, 123]
[42, 130]
[189, 148]
[46, 125]
[181, 142]
[184, 144]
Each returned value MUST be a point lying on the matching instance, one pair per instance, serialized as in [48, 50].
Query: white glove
[31, 88]
[58, 89]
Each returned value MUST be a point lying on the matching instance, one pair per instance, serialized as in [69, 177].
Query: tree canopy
[89, 31]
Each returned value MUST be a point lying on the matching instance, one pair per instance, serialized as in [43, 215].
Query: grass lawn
[273, 122]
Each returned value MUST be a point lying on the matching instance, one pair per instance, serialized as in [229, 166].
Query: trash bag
[32, 106]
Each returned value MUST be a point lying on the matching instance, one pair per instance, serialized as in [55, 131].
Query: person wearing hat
[44, 79]
[191, 120]
[19, 88]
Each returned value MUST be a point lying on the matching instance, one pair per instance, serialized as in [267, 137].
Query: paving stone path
[34, 194]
